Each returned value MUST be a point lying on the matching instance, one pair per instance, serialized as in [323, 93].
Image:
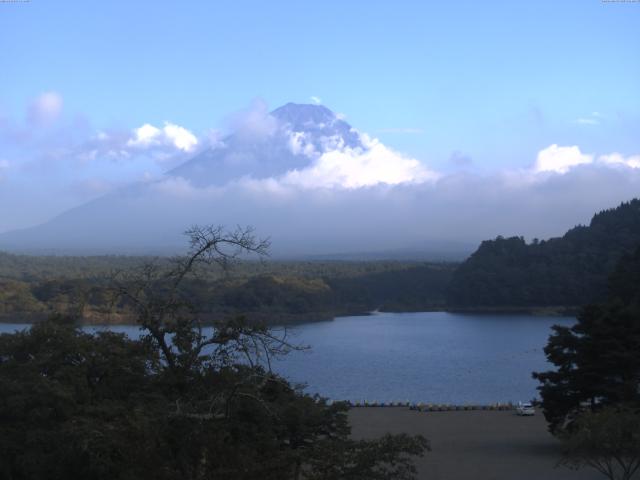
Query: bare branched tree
[156, 294]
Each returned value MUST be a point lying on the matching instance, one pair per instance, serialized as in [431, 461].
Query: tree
[592, 399]
[568, 271]
[607, 440]
[181, 402]
[598, 359]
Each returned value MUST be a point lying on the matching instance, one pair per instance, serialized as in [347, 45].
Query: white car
[525, 409]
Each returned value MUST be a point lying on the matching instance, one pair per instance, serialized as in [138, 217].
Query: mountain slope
[269, 146]
[571, 270]
[239, 181]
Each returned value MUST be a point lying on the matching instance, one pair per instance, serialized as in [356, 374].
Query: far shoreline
[288, 319]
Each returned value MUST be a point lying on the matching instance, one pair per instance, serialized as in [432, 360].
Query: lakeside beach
[473, 445]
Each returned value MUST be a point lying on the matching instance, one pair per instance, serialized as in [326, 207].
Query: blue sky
[492, 79]
[493, 82]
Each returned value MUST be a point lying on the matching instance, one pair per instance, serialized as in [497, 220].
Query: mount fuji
[299, 174]
[270, 145]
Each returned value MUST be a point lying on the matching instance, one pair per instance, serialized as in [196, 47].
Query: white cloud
[145, 136]
[632, 161]
[351, 168]
[461, 206]
[298, 144]
[315, 100]
[560, 159]
[332, 142]
[170, 135]
[45, 109]
[181, 138]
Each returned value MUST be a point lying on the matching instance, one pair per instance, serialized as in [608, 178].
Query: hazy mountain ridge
[304, 177]
[150, 217]
[236, 182]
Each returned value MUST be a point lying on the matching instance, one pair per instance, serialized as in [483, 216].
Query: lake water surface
[432, 357]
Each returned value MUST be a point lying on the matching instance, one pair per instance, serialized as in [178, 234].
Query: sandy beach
[473, 445]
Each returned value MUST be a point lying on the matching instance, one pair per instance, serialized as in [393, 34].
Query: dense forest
[567, 271]
[32, 288]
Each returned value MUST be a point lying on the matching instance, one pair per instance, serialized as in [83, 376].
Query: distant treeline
[32, 288]
[505, 273]
[568, 271]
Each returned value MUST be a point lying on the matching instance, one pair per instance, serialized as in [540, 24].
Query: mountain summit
[269, 145]
[299, 115]
[316, 120]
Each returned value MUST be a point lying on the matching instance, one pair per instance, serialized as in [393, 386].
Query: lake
[431, 357]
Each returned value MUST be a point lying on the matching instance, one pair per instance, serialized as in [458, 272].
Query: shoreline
[288, 319]
[550, 311]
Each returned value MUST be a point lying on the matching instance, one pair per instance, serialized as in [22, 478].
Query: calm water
[430, 357]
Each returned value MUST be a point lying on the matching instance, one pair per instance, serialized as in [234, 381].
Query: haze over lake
[431, 357]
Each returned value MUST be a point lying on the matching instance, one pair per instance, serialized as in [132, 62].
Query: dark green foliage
[74, 405]
[420, 287]
[598, 359]
[176, 404]
[352, 460]
[280, 294]
[607, 440]
[277, 292]
[567, 271]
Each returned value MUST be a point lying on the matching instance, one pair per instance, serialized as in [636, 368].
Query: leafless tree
[156, 294]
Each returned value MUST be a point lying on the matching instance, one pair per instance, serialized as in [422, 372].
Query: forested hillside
[32, 288]
[568, 271]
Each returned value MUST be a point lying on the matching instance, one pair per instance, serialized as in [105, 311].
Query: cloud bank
[329, 188]
[352, 168]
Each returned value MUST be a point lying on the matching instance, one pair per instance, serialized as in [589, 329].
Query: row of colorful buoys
[421, 407]
[429, 407]
[365, 403]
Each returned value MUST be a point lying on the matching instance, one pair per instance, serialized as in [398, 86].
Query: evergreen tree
[598, 359]
[568, 271]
